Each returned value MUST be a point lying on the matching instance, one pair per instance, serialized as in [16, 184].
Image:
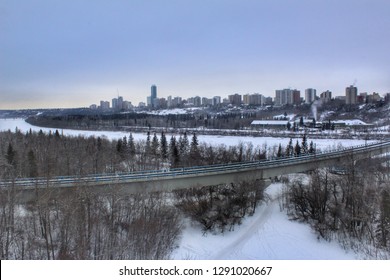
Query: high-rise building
[235, 99]
[287, 97]
[326, 96]
[104, 105]
[114, 103]
[351, 95]
[387, 98]
[153, 92]
[216, 100]
[207, 101]
[117, 103]
[197, 101]
[152, 100]
[268, 100]
[173, 102]
[310, 95]
[295, 97]
[245, 99]
[255, 99]
[120, 103]
[149, 101]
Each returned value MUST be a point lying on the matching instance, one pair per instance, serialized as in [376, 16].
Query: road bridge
[180, 178]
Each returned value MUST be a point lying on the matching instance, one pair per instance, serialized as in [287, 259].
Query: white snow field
[20, 124]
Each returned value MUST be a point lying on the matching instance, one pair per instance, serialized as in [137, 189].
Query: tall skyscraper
[351, 95]
[153, 96]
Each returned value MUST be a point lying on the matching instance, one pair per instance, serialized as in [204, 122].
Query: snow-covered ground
[268, 234]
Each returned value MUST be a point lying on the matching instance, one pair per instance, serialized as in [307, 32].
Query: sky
[57, 53]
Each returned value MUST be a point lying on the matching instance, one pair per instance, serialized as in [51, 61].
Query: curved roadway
[202, 175]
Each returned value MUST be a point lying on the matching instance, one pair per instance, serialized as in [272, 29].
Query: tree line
[221, 120]
[39, 154]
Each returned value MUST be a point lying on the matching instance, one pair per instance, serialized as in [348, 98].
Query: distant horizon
[67, 54]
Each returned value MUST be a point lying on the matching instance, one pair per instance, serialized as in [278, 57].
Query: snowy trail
[267, 235]
[234, 249]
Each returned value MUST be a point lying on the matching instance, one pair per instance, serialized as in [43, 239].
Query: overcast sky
[72, 53]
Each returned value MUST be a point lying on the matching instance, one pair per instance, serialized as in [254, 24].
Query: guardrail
[66, 181]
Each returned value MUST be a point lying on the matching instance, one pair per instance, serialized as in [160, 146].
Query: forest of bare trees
[220, 208]
[351, 205]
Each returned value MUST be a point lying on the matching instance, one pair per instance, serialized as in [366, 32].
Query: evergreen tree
[288, 125]
[280, 152]
[155, 145]
[312, 149]
[119, 147]
[289, 149]
[131, 146]
[305, 148]
[11, 155]
[32, 164]
[194, 152]
[184, 145]
[148, 145]
[297, 150]
[125, 146]
[163, 146]
[174, 153]
[99, 143]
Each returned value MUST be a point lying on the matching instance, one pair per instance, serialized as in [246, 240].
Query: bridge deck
[166, 180]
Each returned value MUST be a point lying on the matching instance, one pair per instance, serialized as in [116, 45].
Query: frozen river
[20, 124]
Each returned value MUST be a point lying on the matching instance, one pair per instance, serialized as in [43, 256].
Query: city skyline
[288, 96]
[57, 54]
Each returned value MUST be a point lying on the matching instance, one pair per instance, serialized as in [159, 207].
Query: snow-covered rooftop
[270, 122]
[351, 122]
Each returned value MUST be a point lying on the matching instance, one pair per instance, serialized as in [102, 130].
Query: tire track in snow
[256, 225]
